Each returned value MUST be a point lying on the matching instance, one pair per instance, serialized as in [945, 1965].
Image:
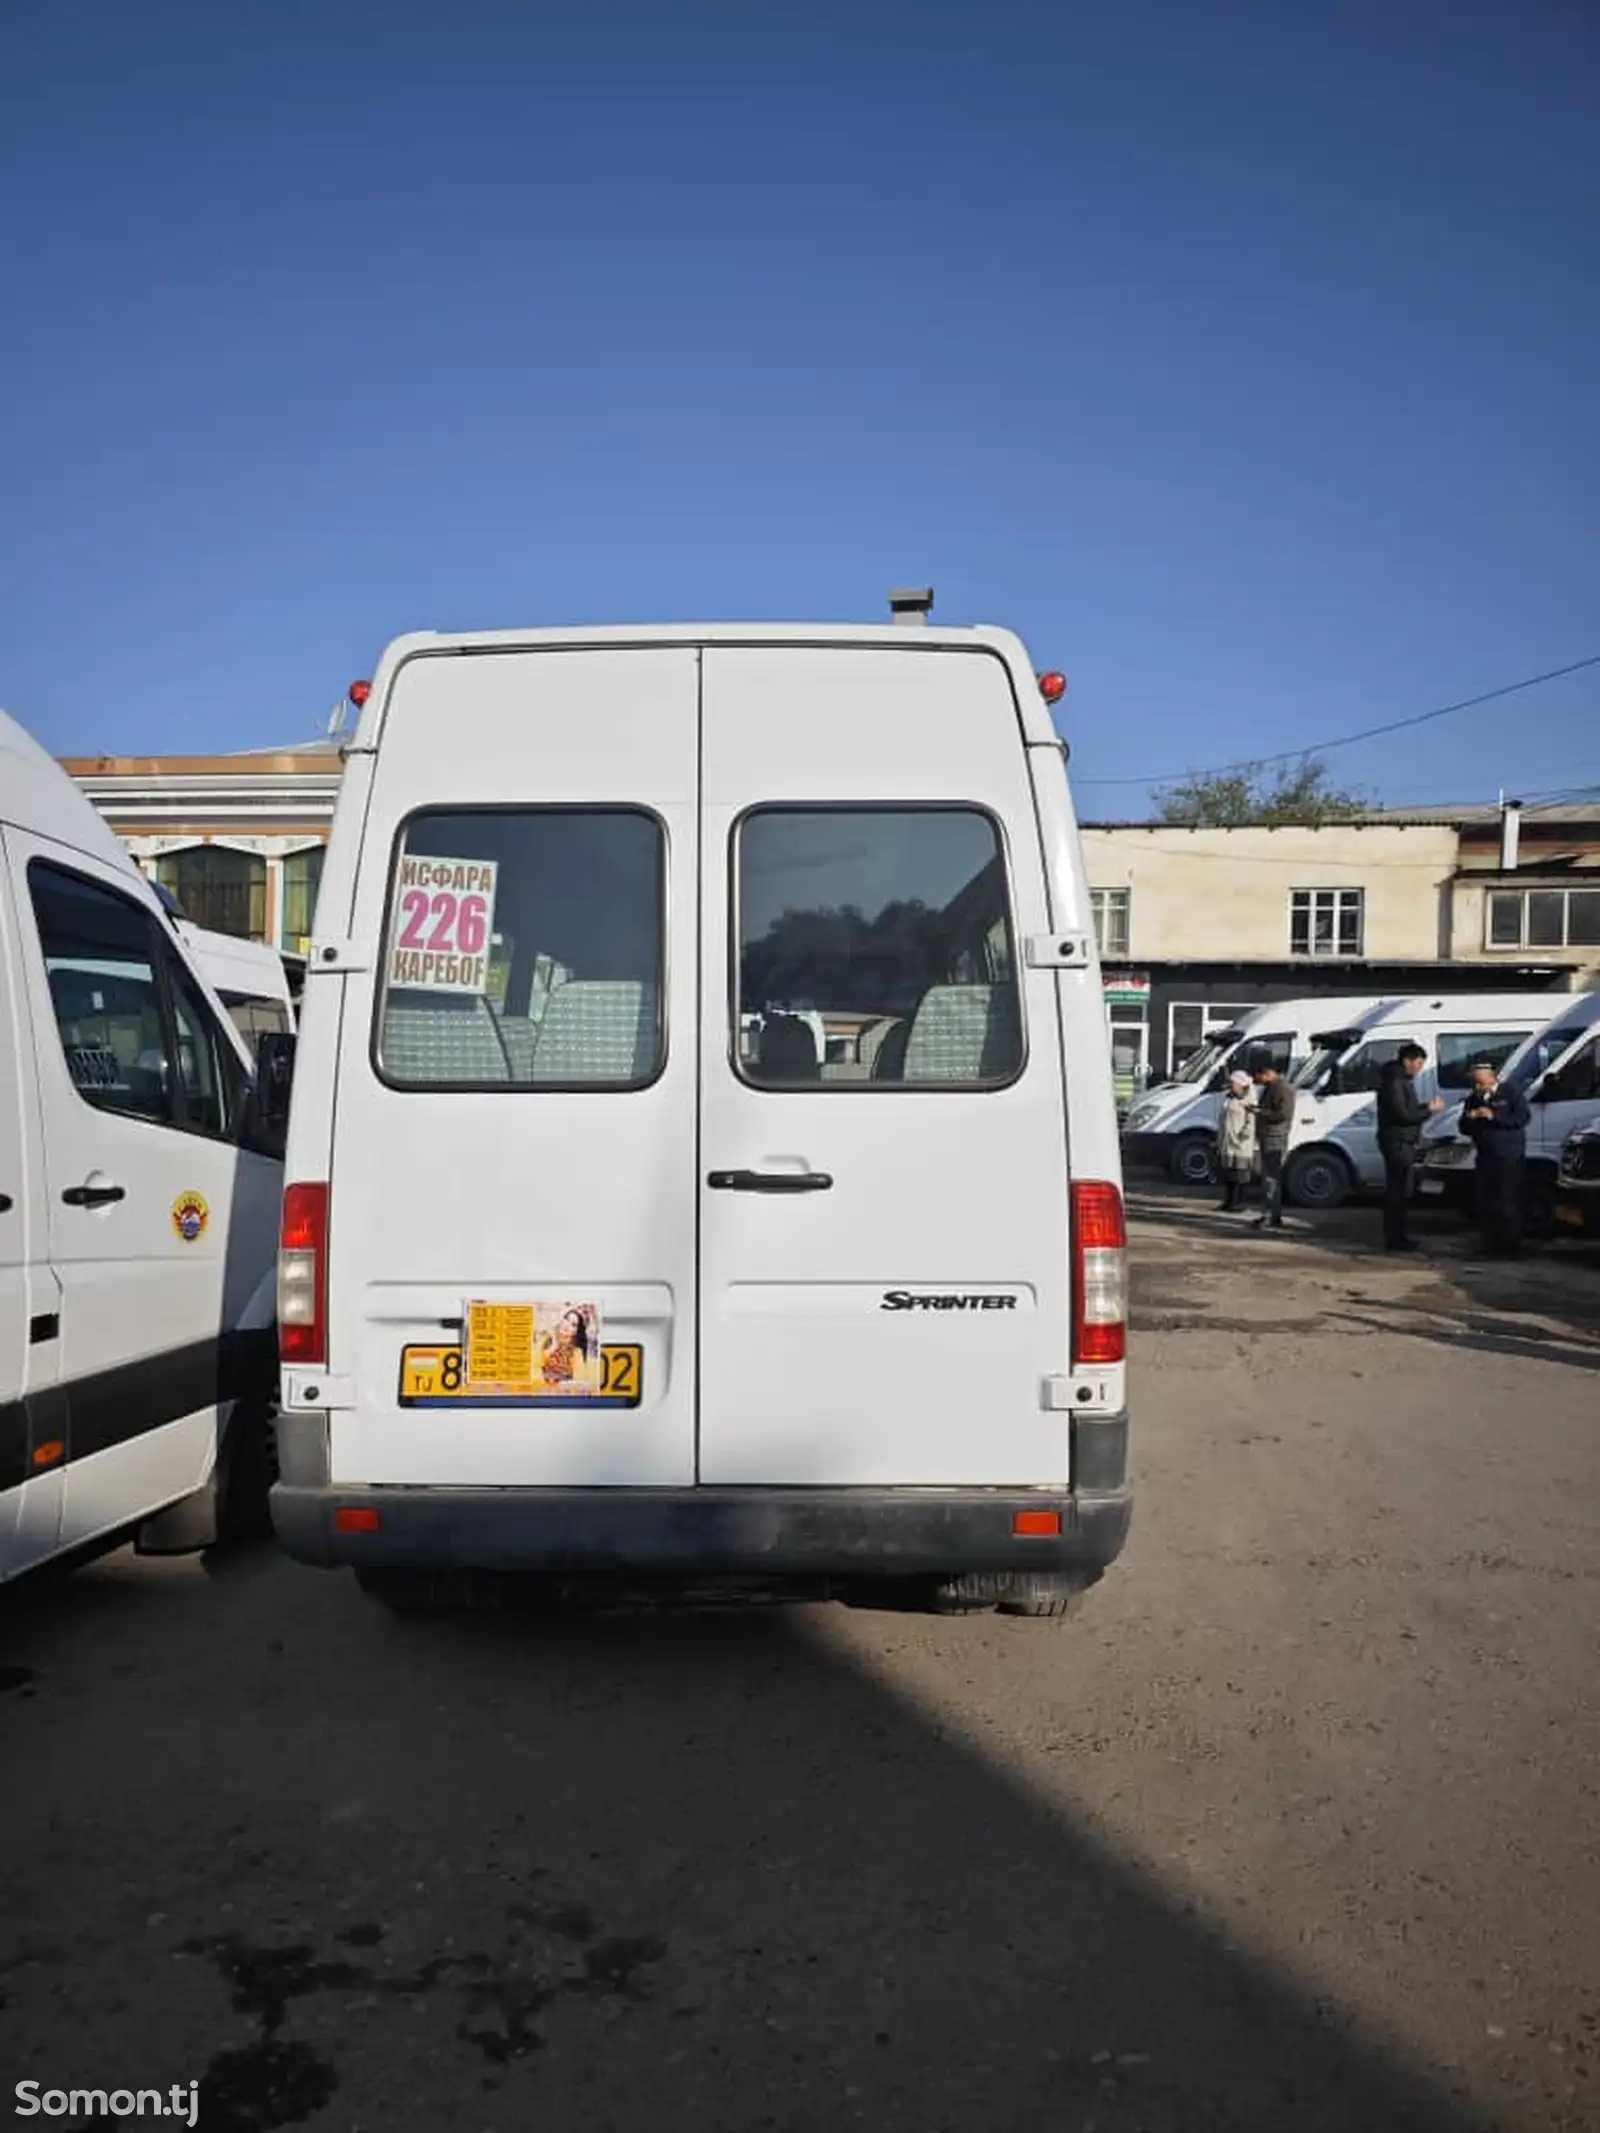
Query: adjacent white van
[249, 978]
[1558, 1070]
[1334, 1151]
[703, 1162]
[138, 1203]
[1174, 1126]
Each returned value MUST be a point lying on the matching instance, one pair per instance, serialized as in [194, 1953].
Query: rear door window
[524, 949]
[875, 950]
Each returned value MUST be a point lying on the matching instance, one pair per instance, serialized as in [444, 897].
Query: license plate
[1430, 1184]
[1571, 1216]
[432, 1377]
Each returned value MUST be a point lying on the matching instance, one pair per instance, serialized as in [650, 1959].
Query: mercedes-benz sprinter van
[138, 1202]
[702, 1161]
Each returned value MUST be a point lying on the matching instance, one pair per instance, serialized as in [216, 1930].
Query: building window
[1111, 929]
[219, 889]
[1544, 918]
[302, 875]
[1326, 921]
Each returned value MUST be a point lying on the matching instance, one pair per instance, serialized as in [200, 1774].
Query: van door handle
[769, 1181]
[92, 1195]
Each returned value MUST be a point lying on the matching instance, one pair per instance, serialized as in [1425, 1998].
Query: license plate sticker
[514, 1371]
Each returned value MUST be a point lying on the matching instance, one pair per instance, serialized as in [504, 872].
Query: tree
[1234, 799]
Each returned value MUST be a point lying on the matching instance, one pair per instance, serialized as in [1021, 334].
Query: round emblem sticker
[190, 1215]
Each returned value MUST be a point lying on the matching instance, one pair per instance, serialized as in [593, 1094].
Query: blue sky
[1241, 355]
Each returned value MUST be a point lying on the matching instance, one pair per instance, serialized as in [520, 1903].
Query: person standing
[1496, 1119]
[1401, 1117]
[1236, 1141]
[1275, 1102]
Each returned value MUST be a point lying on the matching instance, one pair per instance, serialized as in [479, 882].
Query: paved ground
[1293, 1830]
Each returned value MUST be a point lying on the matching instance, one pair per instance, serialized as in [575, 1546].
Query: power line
[1348, 740]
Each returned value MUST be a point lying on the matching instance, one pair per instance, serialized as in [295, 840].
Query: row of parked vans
[1334, 1050]
[702, 1158]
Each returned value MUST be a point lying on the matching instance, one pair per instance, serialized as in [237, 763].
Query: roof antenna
[337, 716]
[911, 605]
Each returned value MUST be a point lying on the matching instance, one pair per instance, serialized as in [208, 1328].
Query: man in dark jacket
[1274, 1124]
[1401, 1117]
[1496, 1117]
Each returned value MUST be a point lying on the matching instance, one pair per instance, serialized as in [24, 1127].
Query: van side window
[875, 949]
[100, 960]
[1363, 1070]
[1459, 1051]
[207, 1073]
[255, 1018]
[1578, 1081]
[524, 949]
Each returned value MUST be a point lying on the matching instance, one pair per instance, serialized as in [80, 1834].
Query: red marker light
[1052, 687]
[361, 690]
[1036, 1524]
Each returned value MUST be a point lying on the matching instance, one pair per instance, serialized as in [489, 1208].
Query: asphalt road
[1293, 1829]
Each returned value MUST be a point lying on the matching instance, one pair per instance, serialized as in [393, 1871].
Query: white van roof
[234, 965]
[36, 794]
[1578, 1014]
[1038, 728]
[1427, 1007]
[1305, 1010]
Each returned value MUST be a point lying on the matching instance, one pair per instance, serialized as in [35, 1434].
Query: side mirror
[275, 1078]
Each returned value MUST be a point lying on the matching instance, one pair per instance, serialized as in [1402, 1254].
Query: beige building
[238, 839]
[1197, 926]
[1528, 883]
[1356, 892]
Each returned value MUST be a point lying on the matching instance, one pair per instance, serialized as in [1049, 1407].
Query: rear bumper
[747, 1532]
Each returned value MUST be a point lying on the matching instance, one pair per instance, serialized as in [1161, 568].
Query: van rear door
[513, 1120]
[884, 1186]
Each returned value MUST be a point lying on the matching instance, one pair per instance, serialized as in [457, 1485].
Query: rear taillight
[303, 1275]
[1099, 1275]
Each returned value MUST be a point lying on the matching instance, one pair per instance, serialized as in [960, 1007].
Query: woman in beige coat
[1236, 1142]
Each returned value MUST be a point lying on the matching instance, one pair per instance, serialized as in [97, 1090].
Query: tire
[1194, 1160]
[1318, 1177]
[251, 1469]
[420, 1592]
[1539, 1199]
[1039, 1594]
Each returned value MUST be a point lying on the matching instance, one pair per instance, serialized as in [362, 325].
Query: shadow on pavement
[677, 1871]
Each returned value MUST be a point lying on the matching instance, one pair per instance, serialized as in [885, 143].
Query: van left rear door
[511, 1206]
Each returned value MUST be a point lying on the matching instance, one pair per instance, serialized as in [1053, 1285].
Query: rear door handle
[769, 1181]
[6, 1203]
[92, 1195]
